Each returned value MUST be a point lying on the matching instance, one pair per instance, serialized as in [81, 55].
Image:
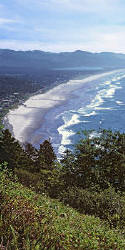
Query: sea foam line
[28, 118]
[89, 110]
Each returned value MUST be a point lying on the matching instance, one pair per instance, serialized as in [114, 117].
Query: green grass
[33, 221]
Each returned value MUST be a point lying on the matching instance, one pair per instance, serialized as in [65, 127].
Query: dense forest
[29, 83]
[36, 60]
[75, 203]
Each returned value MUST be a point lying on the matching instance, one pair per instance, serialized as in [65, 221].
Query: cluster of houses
[6, 103]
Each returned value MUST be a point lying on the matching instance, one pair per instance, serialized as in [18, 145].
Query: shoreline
[30, 121]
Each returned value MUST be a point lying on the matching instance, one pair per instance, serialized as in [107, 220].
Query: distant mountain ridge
[37, 60]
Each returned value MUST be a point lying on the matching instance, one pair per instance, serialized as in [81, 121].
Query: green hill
[77, 203]
[34, 61]
[34, 221]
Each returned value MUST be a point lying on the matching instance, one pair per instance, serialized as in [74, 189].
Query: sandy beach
[31, 121]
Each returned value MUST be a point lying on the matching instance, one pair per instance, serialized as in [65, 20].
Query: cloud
[7, 21]
[63, 25]
[95, 10]
[92, 6]
[96, 42]
[31, 45]
[76, 5]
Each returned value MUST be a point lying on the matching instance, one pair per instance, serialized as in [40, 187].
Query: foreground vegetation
[32, 221]
[78, 203]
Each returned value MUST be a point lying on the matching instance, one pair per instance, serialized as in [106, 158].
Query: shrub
[107, 204]
[32, 221]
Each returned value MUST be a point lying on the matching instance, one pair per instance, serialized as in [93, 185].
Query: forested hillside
[36, 61]
[91, 180]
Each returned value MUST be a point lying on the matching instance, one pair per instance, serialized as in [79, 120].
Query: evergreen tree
[98, 161]
[46, 155]
[31, 151]
[12, 152]
[10, 149]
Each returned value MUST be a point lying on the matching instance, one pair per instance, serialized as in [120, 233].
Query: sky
[63, 25]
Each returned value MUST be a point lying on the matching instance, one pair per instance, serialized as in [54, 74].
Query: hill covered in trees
[90, 180]
[36, 61]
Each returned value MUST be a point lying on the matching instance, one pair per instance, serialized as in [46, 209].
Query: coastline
[32, 121]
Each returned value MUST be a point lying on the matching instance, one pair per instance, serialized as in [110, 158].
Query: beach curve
[28, 118]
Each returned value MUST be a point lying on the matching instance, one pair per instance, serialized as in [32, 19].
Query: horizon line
[59, 52]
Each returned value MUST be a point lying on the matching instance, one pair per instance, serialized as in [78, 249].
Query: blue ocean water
[99, 104]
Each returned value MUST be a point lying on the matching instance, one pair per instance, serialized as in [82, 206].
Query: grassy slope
[33, 221]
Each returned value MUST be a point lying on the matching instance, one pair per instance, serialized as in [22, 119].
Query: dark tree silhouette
[46, 154]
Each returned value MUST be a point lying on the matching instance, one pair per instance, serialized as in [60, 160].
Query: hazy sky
[63, 25]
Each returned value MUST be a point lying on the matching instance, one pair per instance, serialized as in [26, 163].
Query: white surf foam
[120, 103]
[108, 91]
[29, 117]
[65, 132]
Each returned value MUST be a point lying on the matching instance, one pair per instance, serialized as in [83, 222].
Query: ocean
[99, 105]
[97, 102]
